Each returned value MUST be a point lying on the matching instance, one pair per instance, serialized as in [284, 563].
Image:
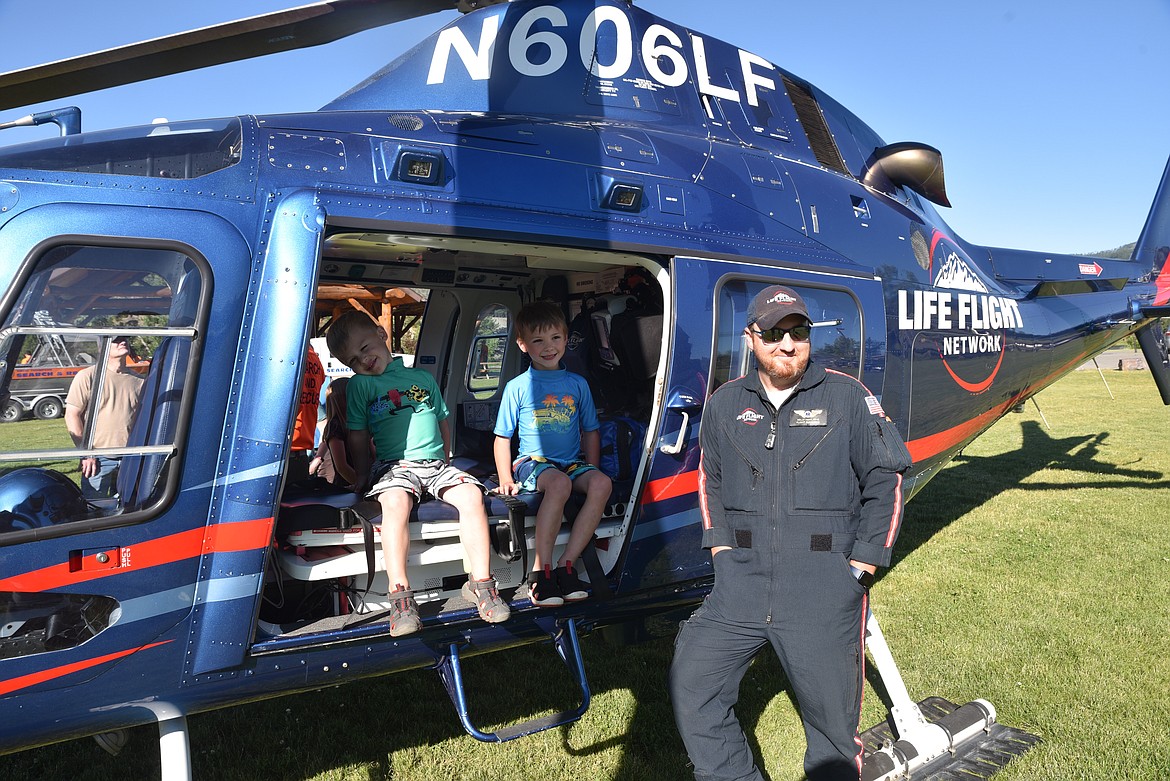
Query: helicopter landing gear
[174, 749]
[932, 737]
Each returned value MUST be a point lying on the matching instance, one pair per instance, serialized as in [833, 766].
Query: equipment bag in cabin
[621, 441]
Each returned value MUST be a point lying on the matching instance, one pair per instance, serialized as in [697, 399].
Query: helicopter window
[487, 351]
[836, 335]
[132, 310]
[177, 150]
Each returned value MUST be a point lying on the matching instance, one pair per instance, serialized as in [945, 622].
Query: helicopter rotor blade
[295, 28]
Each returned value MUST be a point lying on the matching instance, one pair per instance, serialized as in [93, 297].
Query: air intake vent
[408, 122]
[808, 111]
[921, 249]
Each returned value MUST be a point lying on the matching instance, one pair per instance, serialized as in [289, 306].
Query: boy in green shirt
[403, 409]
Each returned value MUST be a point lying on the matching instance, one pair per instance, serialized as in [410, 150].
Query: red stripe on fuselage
[929, 446]
[222, 538]
[934, 444]
[32, 679]
[669, 487]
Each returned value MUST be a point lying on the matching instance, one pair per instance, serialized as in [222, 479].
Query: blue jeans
[104, 483]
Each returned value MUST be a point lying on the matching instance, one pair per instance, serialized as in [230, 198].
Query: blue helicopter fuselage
[579, 130]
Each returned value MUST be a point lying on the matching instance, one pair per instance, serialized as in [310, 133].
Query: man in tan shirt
[121, 390]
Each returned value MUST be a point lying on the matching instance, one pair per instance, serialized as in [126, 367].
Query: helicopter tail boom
[1153, 244]
[1153, 248]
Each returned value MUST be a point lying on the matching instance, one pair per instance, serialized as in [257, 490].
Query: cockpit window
[174, 150]
[94, 383]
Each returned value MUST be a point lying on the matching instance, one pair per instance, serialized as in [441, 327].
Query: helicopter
[648, 178]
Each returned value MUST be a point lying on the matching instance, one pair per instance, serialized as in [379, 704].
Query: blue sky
[1052, 115]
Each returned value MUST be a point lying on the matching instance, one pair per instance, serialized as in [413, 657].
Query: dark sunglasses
[799, 333]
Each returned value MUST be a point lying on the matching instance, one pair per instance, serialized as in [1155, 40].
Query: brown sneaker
[486, 598]
[404, 618]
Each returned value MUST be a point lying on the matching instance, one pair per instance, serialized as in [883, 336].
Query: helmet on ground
[33, 497]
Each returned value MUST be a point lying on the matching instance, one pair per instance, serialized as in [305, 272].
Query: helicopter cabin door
[707, 348]
[106, 476]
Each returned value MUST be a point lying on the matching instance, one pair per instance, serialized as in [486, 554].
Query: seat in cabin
[140, 477]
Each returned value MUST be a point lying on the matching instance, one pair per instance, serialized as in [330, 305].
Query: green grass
[32, 434]
[1031, 573]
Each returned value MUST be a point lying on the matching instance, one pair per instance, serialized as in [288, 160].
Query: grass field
[1031, 573]
[32, 434]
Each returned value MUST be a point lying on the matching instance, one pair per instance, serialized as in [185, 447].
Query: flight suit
[796, 493]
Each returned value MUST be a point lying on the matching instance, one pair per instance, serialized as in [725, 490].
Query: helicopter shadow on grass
[971, 481]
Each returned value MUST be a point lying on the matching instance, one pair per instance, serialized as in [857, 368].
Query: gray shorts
[418, 478]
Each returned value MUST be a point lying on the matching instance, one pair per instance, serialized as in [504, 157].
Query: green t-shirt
[401, 408]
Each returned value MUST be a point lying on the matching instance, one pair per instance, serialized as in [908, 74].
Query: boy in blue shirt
[560, 449]
[404, 411]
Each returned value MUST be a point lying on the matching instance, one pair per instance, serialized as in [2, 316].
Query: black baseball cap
[773, 304]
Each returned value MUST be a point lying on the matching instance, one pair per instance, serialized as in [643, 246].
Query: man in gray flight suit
[800, 483]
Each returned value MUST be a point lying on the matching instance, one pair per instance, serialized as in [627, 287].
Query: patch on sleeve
[875, 406]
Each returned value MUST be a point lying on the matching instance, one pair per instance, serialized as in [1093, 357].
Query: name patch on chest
[809, 417]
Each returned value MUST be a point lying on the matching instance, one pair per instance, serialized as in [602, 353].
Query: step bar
[564, 637]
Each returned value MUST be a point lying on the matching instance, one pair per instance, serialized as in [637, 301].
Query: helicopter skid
[976, 745]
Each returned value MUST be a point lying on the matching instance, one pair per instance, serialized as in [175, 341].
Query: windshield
[172, 150]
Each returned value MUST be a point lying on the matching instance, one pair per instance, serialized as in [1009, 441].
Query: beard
[784, 371]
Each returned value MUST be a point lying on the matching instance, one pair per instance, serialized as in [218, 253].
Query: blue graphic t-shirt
[550, 409]
[401, 408]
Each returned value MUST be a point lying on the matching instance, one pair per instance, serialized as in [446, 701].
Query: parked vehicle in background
[41, 382]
